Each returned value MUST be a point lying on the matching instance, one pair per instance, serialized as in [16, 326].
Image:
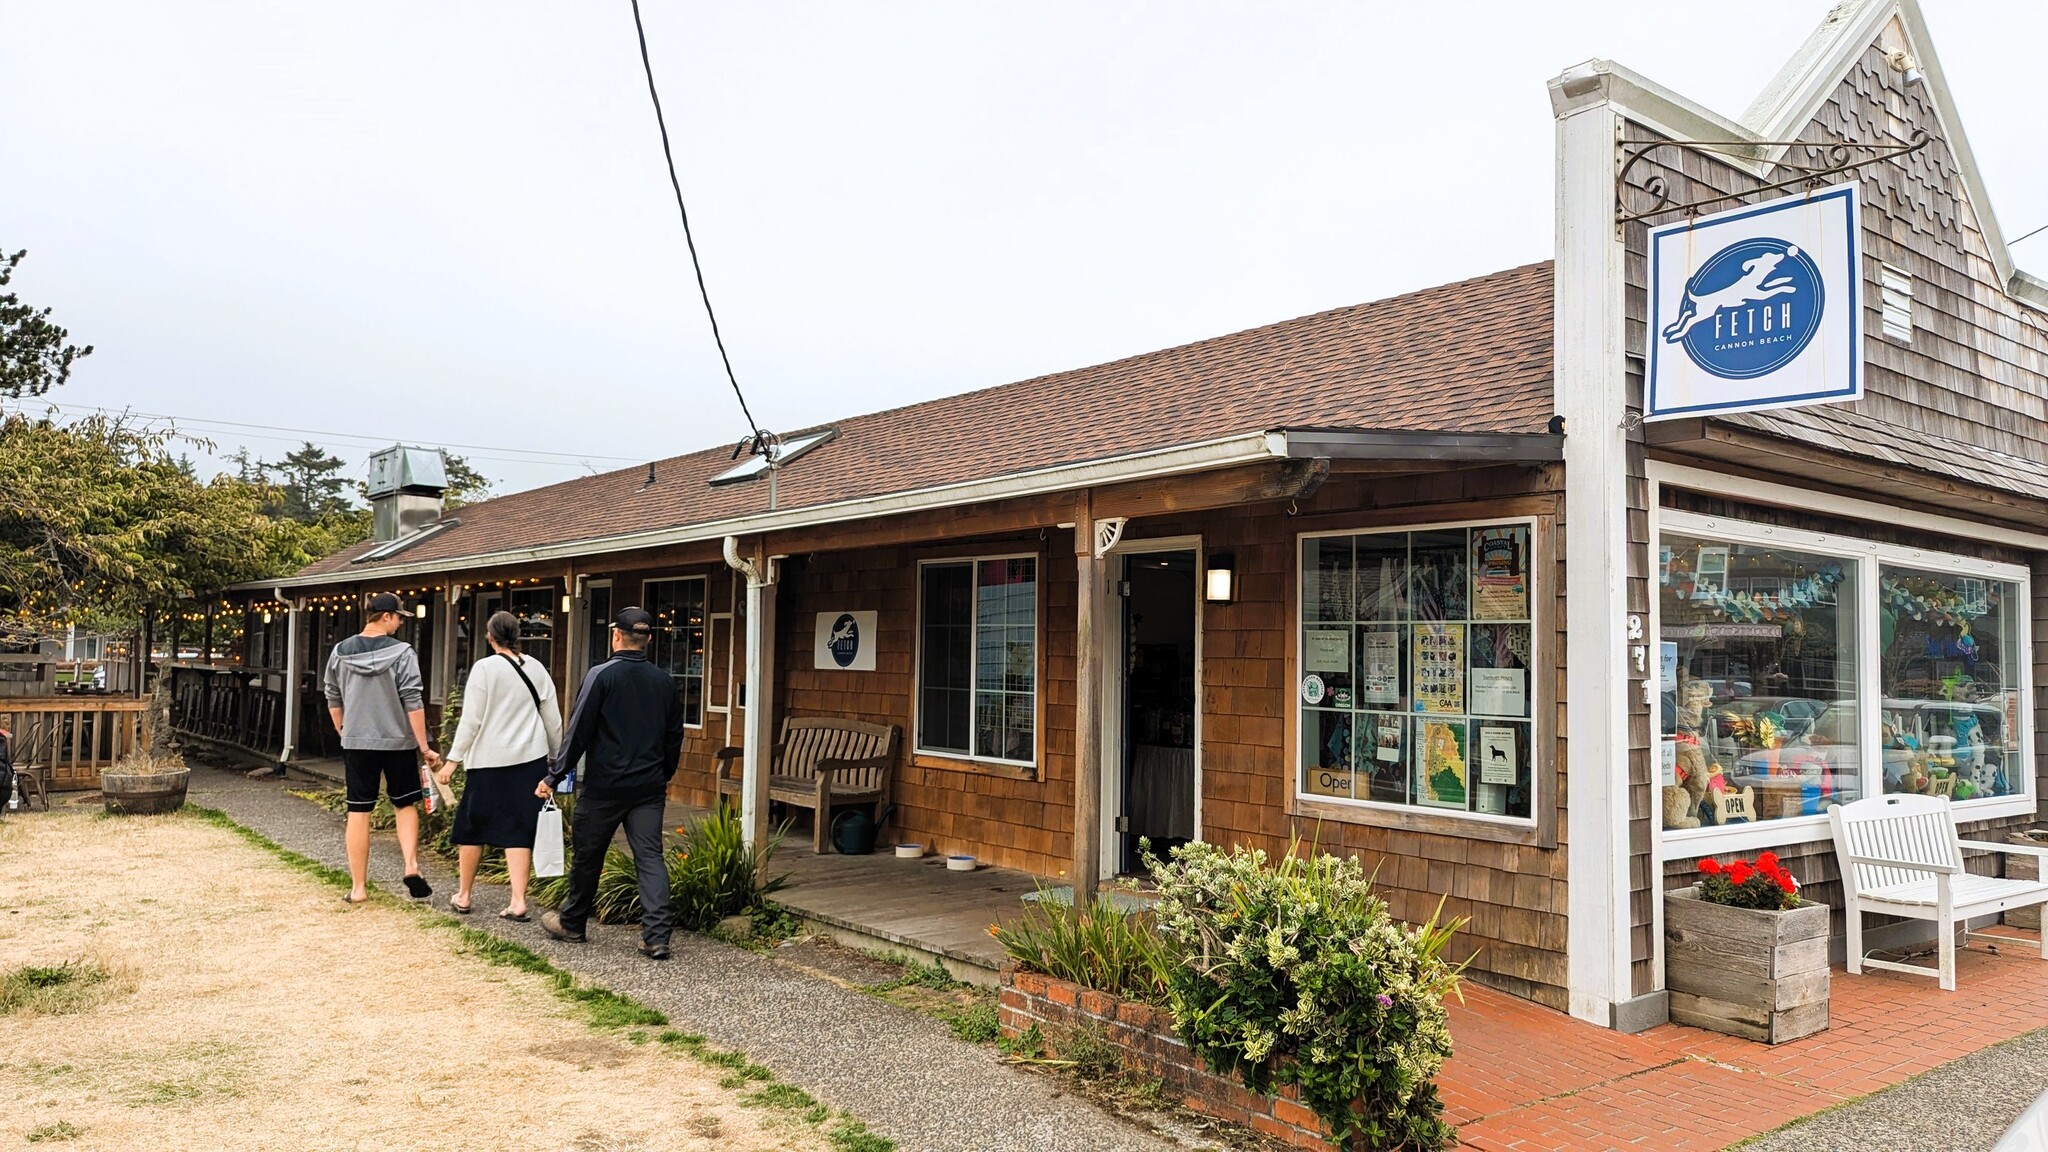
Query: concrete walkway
[905, 1074]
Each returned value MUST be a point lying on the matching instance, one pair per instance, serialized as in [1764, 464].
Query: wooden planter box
[1747, 972]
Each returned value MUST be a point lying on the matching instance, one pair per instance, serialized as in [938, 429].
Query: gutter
[1250, 448]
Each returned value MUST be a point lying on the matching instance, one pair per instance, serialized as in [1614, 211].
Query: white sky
[449, 223]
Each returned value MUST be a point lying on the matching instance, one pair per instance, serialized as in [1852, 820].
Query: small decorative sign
[1313, 689]
[845, 641]
[1756, 307]
[1497, 760]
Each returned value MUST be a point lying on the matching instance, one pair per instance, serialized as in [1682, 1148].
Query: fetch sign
[1756, 308]
[844, 641]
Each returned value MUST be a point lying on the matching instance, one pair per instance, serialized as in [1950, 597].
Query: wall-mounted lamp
[1903, 62]
[419, 610]
[266, 615]
[1219, 586]
[568, 602]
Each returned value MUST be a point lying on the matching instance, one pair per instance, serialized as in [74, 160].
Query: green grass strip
[602, 1008]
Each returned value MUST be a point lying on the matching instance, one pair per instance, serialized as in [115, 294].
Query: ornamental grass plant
[1294, 972]
[712, 874]
[1098, 947]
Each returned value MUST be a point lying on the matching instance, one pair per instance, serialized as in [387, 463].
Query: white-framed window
[977, 658]
[1799, 670]
[1415, 651]
[677, 606]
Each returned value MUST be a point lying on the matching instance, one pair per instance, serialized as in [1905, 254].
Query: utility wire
[688, 238]
[336, 438]
[2035, 232]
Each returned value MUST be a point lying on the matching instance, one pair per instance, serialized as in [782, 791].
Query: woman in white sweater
[510, 728]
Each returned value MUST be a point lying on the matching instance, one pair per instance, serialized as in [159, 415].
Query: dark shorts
[364, 767]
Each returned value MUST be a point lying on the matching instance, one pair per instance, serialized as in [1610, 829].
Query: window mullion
[973, 657]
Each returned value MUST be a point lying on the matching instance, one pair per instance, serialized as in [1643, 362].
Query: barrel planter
[144, 795]
[1750, 972]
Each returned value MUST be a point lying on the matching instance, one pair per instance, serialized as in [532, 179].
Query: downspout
[290, 744]
[757, 736]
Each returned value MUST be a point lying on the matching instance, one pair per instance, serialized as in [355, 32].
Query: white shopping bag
[547, 841]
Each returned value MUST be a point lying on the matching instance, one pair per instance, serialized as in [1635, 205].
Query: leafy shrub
[1096, 947]
[1296, 974]
[712, 874]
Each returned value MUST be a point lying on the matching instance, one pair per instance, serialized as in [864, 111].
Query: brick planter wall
[1144, 1037]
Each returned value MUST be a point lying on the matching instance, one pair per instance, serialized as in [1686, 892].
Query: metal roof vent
[405, 490]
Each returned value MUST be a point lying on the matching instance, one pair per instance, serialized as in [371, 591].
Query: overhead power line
[340, 439]
[690, 239]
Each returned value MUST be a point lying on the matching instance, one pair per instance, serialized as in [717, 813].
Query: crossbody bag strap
[518, 666]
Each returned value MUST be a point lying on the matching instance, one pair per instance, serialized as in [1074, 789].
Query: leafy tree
[98, 521]
[311, 483]
[465, 484]
[35, 355]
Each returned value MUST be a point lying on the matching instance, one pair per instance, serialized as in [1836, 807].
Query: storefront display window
[1415, 659]
[678, 644]
[1797, 672]
[1758, 677]
[1950, 674]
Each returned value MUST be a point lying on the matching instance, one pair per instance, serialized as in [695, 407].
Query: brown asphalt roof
[1474, 356]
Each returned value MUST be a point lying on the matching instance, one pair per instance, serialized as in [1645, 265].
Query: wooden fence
[243, 708]
[71, 739]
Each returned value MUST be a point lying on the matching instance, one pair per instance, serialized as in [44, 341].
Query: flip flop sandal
[419, 888]
[461, 909]
[515, 917]
[348, 899]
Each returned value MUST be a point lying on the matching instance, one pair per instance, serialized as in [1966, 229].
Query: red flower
[1768, 861]
[1710, 867]
[1740, 872]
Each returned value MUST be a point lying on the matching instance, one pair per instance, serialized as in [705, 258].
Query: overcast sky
[449, 223]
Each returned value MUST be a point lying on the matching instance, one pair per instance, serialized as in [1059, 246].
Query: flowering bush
[1294, 973]
[1764, 884]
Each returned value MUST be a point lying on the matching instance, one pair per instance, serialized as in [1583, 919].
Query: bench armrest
[1881, 862]
[725, 756]
[2008, 849]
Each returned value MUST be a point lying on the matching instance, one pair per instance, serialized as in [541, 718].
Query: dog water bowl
[959, 863]
[909, 851]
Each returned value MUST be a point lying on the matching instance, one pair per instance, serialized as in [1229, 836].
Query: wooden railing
[243, 708]
[71, 739]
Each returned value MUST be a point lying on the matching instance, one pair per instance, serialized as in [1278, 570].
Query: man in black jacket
[629, 722]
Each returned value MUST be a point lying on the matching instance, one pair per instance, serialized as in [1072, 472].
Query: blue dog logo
[844, 642]
[1751, 309]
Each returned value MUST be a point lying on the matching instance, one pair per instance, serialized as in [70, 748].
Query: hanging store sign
[1756, 308]
[845, 640]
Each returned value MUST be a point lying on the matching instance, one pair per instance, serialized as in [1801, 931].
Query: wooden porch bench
[822, 761]
[1901, 856]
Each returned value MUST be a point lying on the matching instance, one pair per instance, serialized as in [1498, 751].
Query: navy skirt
[499, 809]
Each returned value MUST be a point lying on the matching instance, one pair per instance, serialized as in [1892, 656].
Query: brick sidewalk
[1528, 1078]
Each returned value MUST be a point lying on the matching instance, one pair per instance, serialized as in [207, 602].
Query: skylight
[754, 466]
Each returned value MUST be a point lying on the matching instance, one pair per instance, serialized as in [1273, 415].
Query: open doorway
[1158, 591]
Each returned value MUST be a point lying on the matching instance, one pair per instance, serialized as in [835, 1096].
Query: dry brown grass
[246, 1007]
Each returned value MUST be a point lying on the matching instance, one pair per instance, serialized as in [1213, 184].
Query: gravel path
[1964, 1106]
[905, 1074]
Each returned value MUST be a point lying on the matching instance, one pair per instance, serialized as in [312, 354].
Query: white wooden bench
[1901, 856]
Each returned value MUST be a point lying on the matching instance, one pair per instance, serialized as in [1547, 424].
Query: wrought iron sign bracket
[1821, 161]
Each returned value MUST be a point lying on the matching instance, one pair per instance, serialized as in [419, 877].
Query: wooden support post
[1087, 707]
[206, 648]
[290, 742]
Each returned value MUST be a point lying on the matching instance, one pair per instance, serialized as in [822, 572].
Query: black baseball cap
[383, 602]
[634, 622]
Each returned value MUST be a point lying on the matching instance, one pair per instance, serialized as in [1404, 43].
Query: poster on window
[1498, 762]
[1500, 691]
[1379, 667]
[1439, 668]
[1500, 574]
[844, 641]
[1442, 778]
[1327, 650]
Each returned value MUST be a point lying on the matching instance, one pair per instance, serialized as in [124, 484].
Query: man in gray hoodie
[372, 681]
